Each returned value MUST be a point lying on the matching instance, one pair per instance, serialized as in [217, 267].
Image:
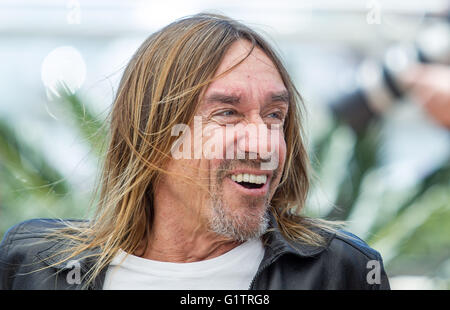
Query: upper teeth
[250, 178]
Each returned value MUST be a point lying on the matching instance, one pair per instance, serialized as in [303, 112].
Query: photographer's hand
[431, 85]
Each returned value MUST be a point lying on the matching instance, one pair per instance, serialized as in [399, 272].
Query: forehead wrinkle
[226, 90]
[239, 51]
[262, 57]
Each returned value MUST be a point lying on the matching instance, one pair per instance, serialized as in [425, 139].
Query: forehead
[256, 74]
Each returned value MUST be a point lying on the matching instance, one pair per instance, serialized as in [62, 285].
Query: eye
[227, 113]
[278, 115]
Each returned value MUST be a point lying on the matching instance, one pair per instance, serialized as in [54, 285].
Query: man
[215, 205]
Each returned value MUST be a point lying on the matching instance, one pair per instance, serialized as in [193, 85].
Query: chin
[240, 222]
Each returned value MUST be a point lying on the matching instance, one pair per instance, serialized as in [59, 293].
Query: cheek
[282, 151]
[215, 171]
[179, 172]
[278, 141]
[213, 143]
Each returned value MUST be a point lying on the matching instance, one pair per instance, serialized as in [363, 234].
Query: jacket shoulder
[357, 261]
[354, 245]
[36, 228]
[22, 245]
[32, 234]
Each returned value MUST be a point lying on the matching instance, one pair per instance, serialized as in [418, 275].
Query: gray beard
[241, 227]
[238, 226]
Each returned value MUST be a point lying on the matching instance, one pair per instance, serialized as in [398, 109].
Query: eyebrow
[223, 98]
[282, 96]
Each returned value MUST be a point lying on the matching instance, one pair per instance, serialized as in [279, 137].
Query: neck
[180, 235]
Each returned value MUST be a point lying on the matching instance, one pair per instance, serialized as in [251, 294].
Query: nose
[254, 139]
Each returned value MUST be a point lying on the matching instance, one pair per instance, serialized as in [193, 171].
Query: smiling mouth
[250, 181]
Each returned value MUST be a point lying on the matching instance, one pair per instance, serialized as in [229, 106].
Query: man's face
[241, 112]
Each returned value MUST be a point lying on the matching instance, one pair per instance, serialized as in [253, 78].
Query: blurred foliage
[30, 185]
[90, 127]
[411, 228]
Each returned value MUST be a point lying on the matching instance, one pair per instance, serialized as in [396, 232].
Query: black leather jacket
[346, 262]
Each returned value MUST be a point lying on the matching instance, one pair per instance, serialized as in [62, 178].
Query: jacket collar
[275, 245]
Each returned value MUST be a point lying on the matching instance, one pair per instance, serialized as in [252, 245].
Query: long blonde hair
[161, 87]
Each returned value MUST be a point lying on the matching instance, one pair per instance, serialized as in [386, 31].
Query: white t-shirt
[233, 270]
